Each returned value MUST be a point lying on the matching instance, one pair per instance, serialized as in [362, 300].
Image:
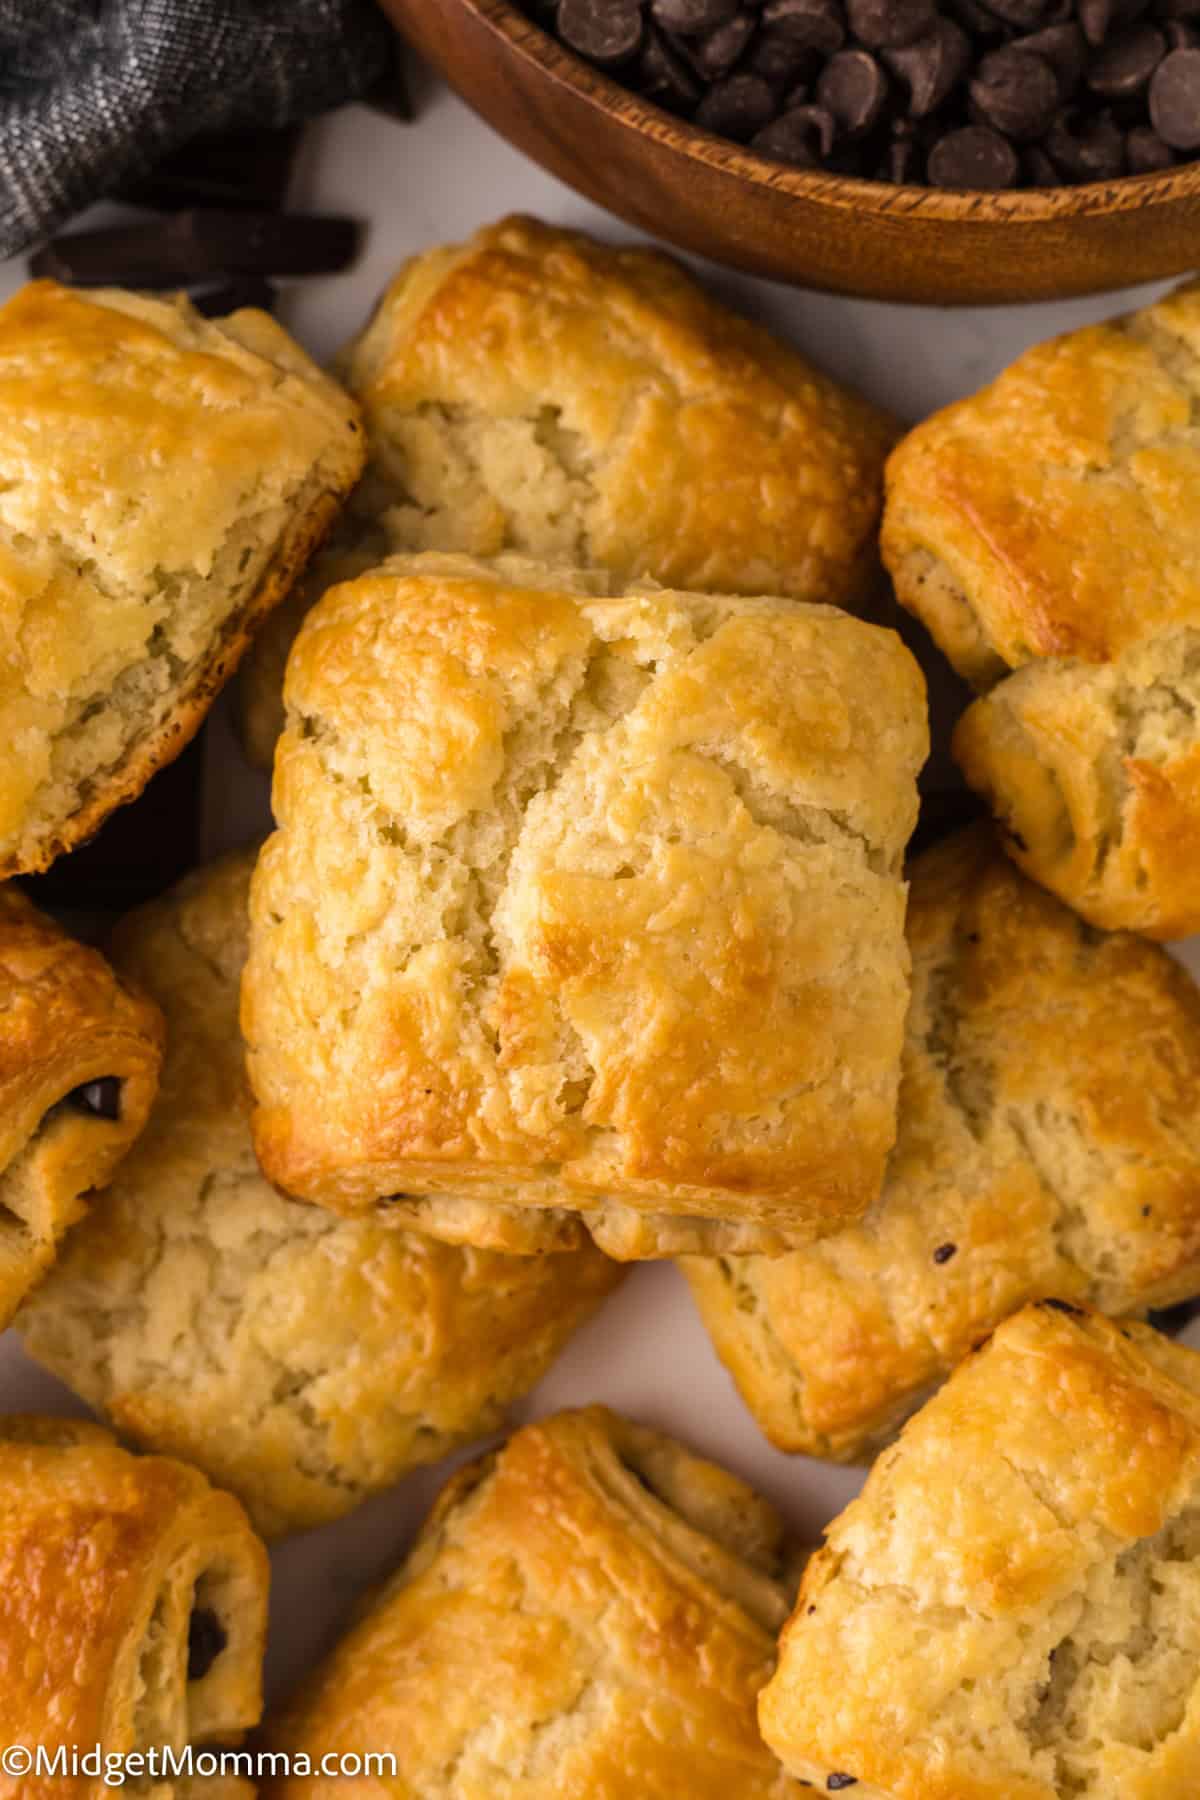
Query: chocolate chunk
[716, 54]
[1171, 1320]
[932, 67]
[890, 24]
[1175, 99]
[736, 107]
[250, 290]
[781, 59]
[691, 17]
[207, 1638]
[1015, 92]
[976, 19]
[1091, 150]
[817, 24]
[854, 89]
[1127, 62]
[196, 244]
[101, 1098]
[944, 1252]
[1096, 18]
[803, 135]
[1145, 152]
[1064, 48]
[973, 157]
[663, 76]
[607, 32]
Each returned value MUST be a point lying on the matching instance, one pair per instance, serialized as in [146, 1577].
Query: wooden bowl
[814, 230]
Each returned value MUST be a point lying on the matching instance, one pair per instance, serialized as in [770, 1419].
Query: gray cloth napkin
[93, 92]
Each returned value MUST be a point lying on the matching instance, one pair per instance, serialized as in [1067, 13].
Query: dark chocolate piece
[1016, 93]
[816, 24]
[737, 107]
[932, 67]
[195, 244]
[607, 32]
[1175, 99]
[691, 17]
[1127, 62]
[890, 24]
[854, 89]
[974, 157]
[804, 136]
[662, 75]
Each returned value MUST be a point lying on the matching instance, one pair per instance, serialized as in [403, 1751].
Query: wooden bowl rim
[952, 206]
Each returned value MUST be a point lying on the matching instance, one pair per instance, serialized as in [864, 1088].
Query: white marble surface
[646, 1353]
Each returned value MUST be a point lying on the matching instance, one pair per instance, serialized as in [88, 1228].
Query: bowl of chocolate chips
[955, 151]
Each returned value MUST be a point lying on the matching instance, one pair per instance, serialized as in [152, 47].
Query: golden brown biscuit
[1051, 525]
[1011, 1608]
[79, 1059]
[1048, 1145]
[133, 1601]
[584, 909]
[535, 391]
[300, 1360]
[1094, 774]
[589, 1612]
[163, 479]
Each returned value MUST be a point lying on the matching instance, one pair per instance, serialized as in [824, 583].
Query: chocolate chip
[976, 18]
[716, 54]
[1127, 62]
[902, 162]
[101, 1098]
[817, 24]
[889, 24]
[207, 1638]
[854, 89]
[1096, 18]
[1016, 92]
[781, 59]
[736, 107]
[662, 75]
[973, 157]
[1039, 170]
[1175, 99]
[1024, 14]
[691, 18]
[932, 67]
[1064, 48]
[803, 135]
[1091, 150]
[944, 1252]
[607, 32]
[1145, 152]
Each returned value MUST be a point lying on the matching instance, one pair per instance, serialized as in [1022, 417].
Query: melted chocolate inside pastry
[207, 1638]
[100, 1098]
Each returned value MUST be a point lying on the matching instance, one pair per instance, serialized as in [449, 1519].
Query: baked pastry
[133, 1602]
[1048, 1144]
[590, 1611]
[79, 1059]
[300, 1360]
[1049, 525]
[1011, 1608]
[584, 912]
[163, 478]
[535, 391]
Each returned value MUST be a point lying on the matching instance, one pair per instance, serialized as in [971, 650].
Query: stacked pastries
[583, 936]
